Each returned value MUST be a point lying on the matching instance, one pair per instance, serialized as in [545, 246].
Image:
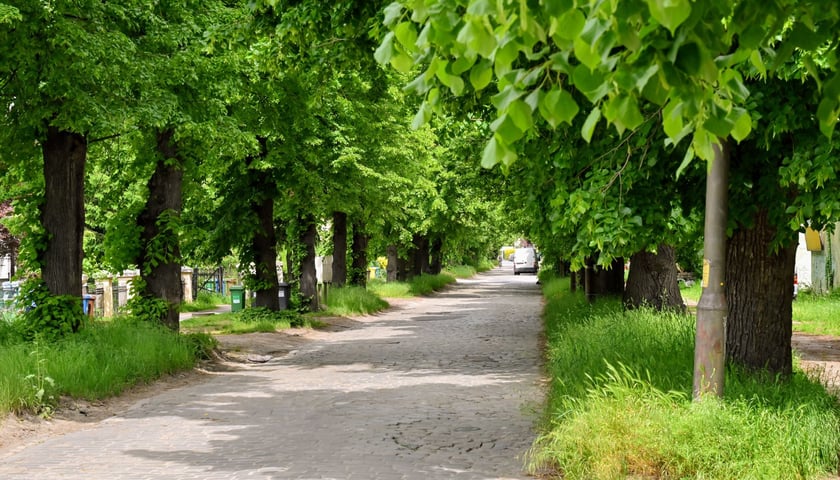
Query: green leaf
[423, 116]
[402, 62]
[742, 125]
[520, 113]
[504, 98]
[476, 37]
[558, 106]
[670, 13]
[556, 8]
[481, 75]
[406, 35]
[827, 115]
[506, 129]
[385, 49]
[570, 24]
[590, 124]
[623, 112]
[687, 158]
[586, 55]
[495, 152]
[393, 12]
[481, 7]
[592, 84]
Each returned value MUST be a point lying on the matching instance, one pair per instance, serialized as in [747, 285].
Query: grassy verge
[421, 285]
[620, 404]
[101, 361]
[250, 320]
[351, 300]
[205, 301]
[817, 313]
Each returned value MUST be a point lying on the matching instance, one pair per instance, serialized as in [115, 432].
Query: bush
[49, 317]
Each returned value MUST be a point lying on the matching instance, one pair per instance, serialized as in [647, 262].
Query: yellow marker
[705, 273]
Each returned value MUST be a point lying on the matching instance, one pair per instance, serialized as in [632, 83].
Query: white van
[525, 261]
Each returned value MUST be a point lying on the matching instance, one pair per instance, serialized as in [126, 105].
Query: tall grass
[461, 271]
[205, 301]
[817, 313]
[420, 285]
[620, 404]
[100, 361]
[352, 300]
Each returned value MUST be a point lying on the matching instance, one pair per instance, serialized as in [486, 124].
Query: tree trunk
[264, 248]
[604, 281]
[63, 211]
[652, 281]
[359, 256]
[436, 266]
[393, 262]
[160, 255]
[573, 281]
[759, 291]
[308, 279]
[420, 258]
[264, 240]
[339, 266]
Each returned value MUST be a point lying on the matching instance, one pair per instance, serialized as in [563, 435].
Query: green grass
[461, 271]
[818, 314]
[620, 404]
[420, 285]
[352, 300]
[250, 320]
[205, 301]
[101, 361]
[691, 293]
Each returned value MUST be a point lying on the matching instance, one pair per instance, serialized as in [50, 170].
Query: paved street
[438, 388]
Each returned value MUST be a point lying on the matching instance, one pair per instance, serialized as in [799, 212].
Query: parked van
[525, 260]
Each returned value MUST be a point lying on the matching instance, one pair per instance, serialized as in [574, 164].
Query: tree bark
[436, 265]
[420, 260]
[264, 248]
[160, 255]
[358, 253]
[339, 266]
[759, 290]
[393, 262]
[308, 278]
[652, 281]
[63, 211]
[264, 240]
[600, 281]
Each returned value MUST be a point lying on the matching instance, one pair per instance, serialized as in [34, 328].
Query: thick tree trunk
[63, 211]
[759, 291]
[436, 266]
[652, 281]
[420, 260]
[308, 278]
[160, 255]
[393, 262]
[264, 248]
[573, 280]
[264, 240]
[339, 266]
[600, 281]
[358, 253]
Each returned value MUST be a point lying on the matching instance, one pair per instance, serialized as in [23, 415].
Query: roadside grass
[101, 361]
[420, 285]
[461, 271]
[620, 406]
[205, 301]
[250, 320]
[691, 293]
[818, 314]
[353, 300]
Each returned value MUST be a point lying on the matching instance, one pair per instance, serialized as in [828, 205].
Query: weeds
[352, 300]
[620, 404]
[204, 301]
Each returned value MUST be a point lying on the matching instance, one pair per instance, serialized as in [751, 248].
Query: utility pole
[709, 345]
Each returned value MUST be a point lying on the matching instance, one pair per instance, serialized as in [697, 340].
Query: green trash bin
[237, 298]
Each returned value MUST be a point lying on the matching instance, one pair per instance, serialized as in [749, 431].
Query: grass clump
[250, 320]
[205, 301]
[620, 404]
[353, 300]
[461, 271]
[100, 361]
[819, 314]
[419, 285]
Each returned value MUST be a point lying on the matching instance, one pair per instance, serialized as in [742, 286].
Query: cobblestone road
[441, 387]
